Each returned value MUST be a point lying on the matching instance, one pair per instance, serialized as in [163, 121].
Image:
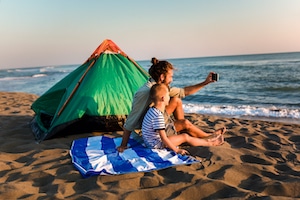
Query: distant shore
[258, 159]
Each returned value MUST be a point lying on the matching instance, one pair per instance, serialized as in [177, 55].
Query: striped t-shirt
[153, 121]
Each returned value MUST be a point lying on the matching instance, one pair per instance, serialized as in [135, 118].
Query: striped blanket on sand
[98, 156]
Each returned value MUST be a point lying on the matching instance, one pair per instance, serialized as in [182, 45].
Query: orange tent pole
[75, 88]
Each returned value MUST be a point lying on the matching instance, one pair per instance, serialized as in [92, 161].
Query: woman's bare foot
[220, 131]
[214, 136]
[219, 140]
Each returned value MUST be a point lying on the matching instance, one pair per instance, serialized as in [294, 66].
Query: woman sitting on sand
[153, 126]
[162, 72]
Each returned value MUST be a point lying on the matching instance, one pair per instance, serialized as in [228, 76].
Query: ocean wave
[14, 78]
[38, 75]
[244, 111]
[284, 89]
[9, 78]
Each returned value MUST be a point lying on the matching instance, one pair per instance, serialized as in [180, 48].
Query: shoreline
[256, 118]
[258, 159]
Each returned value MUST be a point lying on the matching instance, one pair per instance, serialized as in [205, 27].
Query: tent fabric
[102, 88]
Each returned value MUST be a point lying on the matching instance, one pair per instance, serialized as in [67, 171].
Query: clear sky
[60, 32]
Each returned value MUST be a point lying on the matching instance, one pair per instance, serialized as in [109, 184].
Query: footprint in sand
[254, 160]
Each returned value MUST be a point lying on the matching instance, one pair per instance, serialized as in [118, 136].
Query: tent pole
[75, 88]
[137, 65]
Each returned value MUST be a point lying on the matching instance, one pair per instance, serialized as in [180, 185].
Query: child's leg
[186, 125]
[178, 139]
[193, 141]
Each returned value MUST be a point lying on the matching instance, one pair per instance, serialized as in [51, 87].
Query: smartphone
[215, 77]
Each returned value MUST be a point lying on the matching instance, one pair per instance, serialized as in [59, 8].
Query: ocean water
[263, 86]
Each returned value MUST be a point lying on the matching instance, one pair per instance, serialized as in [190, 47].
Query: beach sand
[258, 159]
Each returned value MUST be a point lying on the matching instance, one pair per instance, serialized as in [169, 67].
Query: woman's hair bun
[154, 61]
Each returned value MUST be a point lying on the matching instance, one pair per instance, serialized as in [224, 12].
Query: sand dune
[258, 159]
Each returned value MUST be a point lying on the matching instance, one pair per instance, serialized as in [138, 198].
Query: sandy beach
[258, 159]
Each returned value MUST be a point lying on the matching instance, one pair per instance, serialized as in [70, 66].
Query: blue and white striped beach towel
[99, 156]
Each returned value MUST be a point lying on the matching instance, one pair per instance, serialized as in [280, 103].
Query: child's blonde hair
[158, 90]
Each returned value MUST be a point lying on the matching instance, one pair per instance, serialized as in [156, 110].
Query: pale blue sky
[60, 32]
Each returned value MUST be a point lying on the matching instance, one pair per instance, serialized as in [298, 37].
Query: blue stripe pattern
[99, 156]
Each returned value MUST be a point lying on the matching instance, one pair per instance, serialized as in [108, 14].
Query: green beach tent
[96, 96]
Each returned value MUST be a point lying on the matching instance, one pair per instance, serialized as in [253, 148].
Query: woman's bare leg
[175, 108]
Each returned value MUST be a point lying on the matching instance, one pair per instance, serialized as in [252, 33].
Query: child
[153, 127]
